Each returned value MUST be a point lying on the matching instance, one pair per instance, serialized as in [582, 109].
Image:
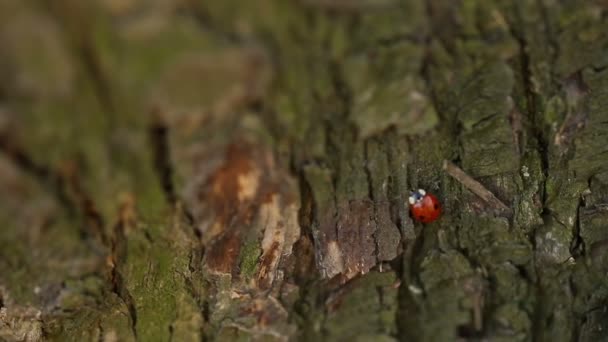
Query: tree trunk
[239, 170]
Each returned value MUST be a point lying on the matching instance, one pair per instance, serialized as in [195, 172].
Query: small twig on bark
[476, 187]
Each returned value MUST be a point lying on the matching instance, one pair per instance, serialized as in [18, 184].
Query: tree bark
[239, 170]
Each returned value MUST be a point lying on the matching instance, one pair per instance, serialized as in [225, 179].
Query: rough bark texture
[238, 170]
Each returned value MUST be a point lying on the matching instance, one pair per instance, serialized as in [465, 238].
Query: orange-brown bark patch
[267, 264]
[223, 253]
[224, 182]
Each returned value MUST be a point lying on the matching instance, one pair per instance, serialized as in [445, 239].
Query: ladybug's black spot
[436, 206]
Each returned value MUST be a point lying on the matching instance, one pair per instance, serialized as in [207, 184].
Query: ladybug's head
[416, 196]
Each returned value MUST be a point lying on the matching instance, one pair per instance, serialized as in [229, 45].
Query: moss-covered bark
[239, 170]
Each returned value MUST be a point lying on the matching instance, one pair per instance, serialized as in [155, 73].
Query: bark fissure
[118, 246]
[577, 246]
[64, 184]
[159, 139]
[536, 123]
[94, 221]
[541, 144]
[45, 175]
[103, 89]
[120, 289]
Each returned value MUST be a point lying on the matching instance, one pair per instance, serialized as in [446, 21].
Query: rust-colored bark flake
[237, 171]
[225, 194]
[244, 200]
[268, 262]
[274, 238]
[248, 185]
[223, 253]
[246, 210]
[280, 234]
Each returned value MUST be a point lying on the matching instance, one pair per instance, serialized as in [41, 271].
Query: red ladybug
[424, 207]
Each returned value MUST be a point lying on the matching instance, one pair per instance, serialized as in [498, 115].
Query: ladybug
[424, 207]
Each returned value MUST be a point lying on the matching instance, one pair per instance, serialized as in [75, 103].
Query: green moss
[510, 286]
[438, 267]
[553, 242]
[155, 271]
[320, 182]
[555, 110]
[369, 308]
[563, 198]
[387, 94]
[492, 241]
[249, 256]
[529, 207]
[511, 317]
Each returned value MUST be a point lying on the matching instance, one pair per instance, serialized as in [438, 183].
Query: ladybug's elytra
[424, 207]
